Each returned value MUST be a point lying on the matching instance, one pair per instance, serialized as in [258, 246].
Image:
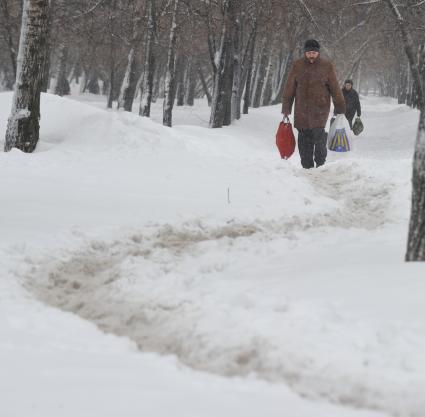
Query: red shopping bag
[285, 139]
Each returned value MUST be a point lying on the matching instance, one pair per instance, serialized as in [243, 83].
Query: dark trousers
[350, 117]
[312, 147]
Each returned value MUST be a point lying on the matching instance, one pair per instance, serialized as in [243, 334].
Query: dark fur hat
[311, 45]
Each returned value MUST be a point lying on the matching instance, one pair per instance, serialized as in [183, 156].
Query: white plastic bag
[338, 140]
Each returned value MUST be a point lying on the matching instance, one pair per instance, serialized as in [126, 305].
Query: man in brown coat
[312, 82]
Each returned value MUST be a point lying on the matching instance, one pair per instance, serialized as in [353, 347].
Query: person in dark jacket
[352, 102]
[311, 83]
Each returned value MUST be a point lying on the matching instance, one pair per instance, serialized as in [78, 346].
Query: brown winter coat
[312, 85]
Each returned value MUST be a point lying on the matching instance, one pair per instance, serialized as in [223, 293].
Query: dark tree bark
[204, 85]
[147, 92]
[23, 127]
[223, 72]
[191, 82]
[62, 87]
[180, 83]
[237, 65]
[93, 84]
[8, 36]
[416, 237]
[111, 83]
[247, 97]
[228, 84]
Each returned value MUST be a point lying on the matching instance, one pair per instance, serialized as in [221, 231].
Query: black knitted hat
[311, 45]
[348, 82]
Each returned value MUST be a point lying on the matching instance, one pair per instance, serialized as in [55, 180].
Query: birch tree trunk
[237, 68]
[261, 71]
[266, 92]
[169, 86]
[129, 83]
[247, 97]
[145, 103]
[23, 124]
[277, 98]
[221, 96]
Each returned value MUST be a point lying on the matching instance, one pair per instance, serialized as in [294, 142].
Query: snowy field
[189, 272]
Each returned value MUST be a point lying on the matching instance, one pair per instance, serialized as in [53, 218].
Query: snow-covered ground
[240, 284]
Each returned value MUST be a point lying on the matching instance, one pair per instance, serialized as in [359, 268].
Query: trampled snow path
[181, 290]
[301, 281]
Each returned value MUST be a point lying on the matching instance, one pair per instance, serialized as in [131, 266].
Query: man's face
[312, 56]
[348, 86]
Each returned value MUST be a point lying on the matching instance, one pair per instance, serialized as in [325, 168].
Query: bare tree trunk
[62, 87]
[180, 81]
[23, 124]
[359, 77]
[220, 105]
[129, 83]
[158, 83]
[277, 98]
[8, 36]
[167, 119]
[46, 69]
[266, 92]
[145, 104]
[228, 83]
[237, 67]
[409, 49]
[111, 91]
[93, 84]
[204, 85]
[416, 238]
[247, 97]
[112, 18]
[191, 81]
[261, 71]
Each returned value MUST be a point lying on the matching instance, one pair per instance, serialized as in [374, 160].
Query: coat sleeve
[289, 91]
[336, 93]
